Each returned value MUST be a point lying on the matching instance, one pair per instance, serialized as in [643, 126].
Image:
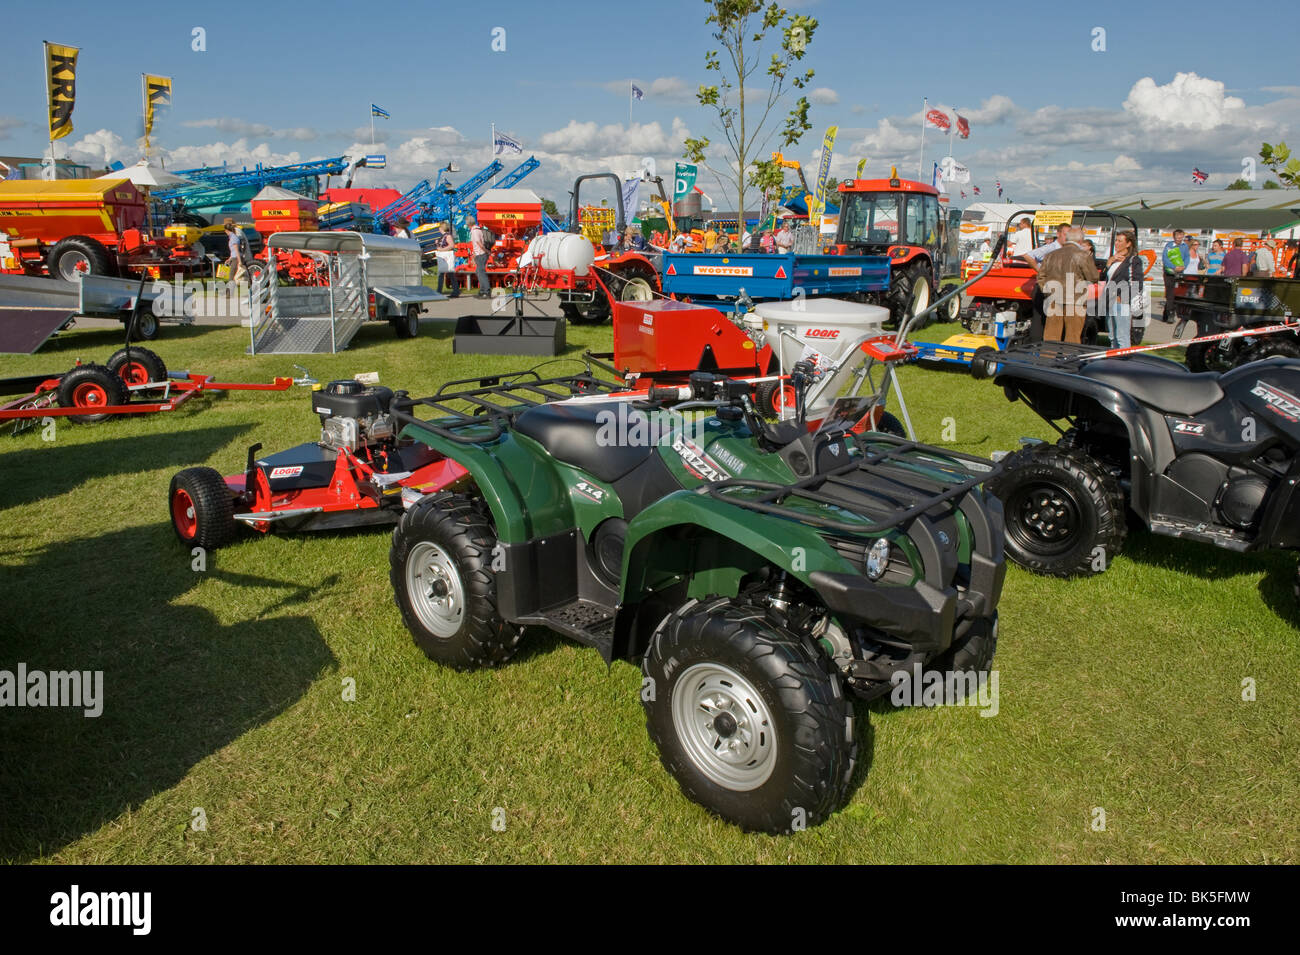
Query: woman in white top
[1195, 261]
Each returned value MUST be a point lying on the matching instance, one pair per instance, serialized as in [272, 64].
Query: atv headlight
[878, 559]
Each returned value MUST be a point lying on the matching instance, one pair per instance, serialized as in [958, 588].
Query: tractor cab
[894, 217]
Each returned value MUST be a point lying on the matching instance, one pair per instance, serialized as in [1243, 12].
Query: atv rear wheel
[138, 366]
[444, 584]
[202, 508]
[1272, 347]
[1210, 356]
[748, 717]
[91, 386]
[1064, 513]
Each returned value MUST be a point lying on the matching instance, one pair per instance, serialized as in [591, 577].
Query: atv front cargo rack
[904, 467]
[493, 402]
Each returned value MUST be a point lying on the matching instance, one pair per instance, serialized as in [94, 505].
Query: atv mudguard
[1055, 393]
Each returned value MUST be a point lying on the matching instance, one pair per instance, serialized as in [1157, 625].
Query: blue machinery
[211, 178]
[437, 202]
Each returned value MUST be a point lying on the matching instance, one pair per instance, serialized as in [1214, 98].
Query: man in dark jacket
[1064, 279]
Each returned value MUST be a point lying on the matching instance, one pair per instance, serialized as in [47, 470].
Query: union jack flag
[977, 189]
[1199, 177]
[998, 183]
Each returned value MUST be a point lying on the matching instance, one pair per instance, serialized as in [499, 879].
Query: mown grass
[224, 688]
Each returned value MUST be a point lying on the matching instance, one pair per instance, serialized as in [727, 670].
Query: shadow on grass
[97, 343]
[178, 684]
[1213, 563]
[43, 470]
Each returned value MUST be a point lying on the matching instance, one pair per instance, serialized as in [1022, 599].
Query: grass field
[224, 688]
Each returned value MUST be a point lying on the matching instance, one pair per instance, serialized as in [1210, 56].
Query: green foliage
[551, 209]
[1270, 184]
[1285, 166]
[1238, 184]
[746, 104]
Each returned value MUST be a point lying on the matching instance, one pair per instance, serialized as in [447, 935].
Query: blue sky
[1050, 116]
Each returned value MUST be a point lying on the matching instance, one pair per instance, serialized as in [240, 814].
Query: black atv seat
[1168, 389]
[570, 433]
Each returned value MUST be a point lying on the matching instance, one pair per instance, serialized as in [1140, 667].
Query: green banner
[683, 180]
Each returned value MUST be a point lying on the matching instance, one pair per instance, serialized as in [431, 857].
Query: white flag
[953, 171]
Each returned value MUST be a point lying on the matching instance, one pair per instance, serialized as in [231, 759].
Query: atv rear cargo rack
[907, 466]
[493, 402]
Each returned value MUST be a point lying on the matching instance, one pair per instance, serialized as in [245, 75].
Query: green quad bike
[759, 572]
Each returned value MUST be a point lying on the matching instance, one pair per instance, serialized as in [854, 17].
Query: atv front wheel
[202, 508]
[444, 584]
[1064, 514]
[748, 717]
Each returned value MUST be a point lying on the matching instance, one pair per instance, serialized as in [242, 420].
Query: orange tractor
[904, 220]
[70, 227]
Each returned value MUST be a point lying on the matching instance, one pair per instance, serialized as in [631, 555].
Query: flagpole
[144, 99]
[49, 103]
[920, 162]
[492, 151]
[372, 127]
[629, 106]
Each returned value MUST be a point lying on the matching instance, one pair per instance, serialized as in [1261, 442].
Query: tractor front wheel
[748, 717]
[202, 508]
[910, 293]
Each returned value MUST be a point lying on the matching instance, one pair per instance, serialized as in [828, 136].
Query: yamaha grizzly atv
[1204, 456]
[756, 571]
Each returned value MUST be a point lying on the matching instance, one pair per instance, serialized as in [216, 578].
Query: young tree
[745, 103]
[1279, 159]
[1238, 184]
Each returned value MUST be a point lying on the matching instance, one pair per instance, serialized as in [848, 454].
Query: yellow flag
[61, 80]
[157, 94]
[818, 205]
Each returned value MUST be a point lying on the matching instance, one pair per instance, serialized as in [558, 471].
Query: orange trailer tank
[101, 209]
[279, 210]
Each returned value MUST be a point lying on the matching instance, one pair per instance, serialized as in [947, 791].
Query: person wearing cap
[1265, 260]
[401, 228]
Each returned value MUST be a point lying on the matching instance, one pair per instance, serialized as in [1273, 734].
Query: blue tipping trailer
[717, 280]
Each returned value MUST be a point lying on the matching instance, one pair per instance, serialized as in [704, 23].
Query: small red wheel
[89, 394]
[184, 518]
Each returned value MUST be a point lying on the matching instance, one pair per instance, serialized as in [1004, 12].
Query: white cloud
[1192, 101]
[995, 109]
[824, 95]
[101, 148]
[233, 126]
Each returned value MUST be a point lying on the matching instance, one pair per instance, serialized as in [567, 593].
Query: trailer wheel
[202, 508]
[78, 255]
[146, 327]
[91, 386]
[771, 395]
[138, 366]
[408, 325]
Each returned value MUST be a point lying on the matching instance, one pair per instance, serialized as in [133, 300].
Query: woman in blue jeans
[1123, 291]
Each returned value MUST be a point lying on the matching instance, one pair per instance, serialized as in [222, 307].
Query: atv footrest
[585, 621]
[1223, 537]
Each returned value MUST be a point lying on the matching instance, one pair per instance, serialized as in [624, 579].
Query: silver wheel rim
[725, 727]
[435, 588]
[920, 297]
[636, 290]
[74, 263]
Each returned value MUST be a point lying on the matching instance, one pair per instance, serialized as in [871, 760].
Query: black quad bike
[1204, 456]
[759, 573]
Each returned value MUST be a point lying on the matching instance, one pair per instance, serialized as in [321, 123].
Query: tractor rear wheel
[910, 292]
[138, 366]
[202, 508]
[78, 255]
[588, 313]
[91, 387]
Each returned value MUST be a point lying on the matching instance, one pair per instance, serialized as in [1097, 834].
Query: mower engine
[353, 416]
